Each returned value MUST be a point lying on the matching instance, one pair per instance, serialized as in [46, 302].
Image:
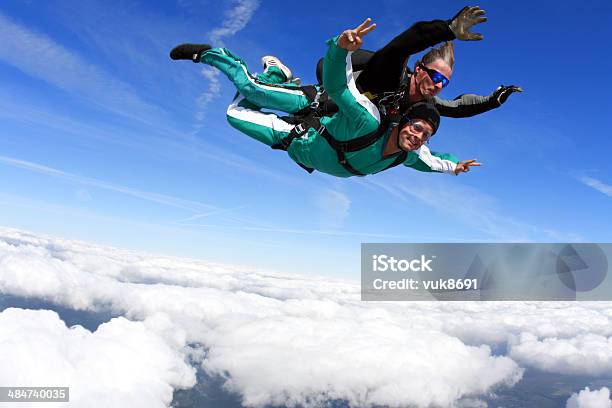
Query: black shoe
[189, 52]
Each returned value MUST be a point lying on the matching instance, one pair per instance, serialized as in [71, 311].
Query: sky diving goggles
[435, 76]
[417, 126]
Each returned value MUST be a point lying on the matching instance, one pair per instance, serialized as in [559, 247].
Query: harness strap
[340, 148]
[319, 100]
[308, 169]
[299, 130]
[362, 142]
[398, 160]
[344, 147]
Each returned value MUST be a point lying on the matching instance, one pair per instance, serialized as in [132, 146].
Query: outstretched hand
[502, 93]
[464, 166]
[465, 19]
[352, 39]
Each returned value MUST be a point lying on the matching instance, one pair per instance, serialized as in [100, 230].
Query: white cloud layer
[585, 353]
[590, 399]
[284, 339]
[123, 363]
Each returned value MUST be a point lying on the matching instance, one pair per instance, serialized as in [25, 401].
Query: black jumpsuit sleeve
[359, 59]
[466, 105]
[384, 69]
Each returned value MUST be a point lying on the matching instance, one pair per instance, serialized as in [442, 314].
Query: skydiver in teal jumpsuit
[357, 118]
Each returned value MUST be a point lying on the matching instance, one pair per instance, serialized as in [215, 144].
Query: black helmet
[422, 110]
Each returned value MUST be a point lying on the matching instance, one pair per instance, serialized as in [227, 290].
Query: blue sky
[104, 138]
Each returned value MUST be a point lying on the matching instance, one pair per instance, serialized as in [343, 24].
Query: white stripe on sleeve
[436, 163]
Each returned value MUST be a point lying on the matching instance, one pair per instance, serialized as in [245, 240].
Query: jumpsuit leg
[284, 98]
[273, 76]
[265, 127]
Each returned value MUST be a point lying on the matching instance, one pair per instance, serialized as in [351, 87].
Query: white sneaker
[272, 61]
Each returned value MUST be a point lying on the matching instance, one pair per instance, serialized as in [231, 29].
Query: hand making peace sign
[352, 39]
[464, 166]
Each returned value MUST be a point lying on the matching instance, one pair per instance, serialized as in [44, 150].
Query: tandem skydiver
[384, 75]
[384, 78]
[347, 143]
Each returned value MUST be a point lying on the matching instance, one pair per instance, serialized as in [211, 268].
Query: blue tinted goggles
[435, 76]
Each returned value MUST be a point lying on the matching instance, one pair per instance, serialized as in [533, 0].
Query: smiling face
[425, 87]
[414, 135]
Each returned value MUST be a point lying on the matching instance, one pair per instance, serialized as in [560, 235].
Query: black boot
[189, 52]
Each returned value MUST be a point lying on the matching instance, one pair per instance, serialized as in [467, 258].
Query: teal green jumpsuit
[357, 116]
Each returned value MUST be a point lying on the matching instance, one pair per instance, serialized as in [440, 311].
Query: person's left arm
[467, 105]
[384, 70]
[429, 161]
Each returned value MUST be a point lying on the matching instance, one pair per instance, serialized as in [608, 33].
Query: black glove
[465, 19]
[502, 93]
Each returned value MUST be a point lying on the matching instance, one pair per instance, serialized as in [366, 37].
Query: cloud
[123, 363]
[235, 20]
[283, 339]
[292, 230]
[274, 338]
[597, 185]
[590, 399]
[39, 56]
[214, 88]
[587, 353]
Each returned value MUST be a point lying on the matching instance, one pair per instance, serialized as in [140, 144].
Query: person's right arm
[355, 110]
